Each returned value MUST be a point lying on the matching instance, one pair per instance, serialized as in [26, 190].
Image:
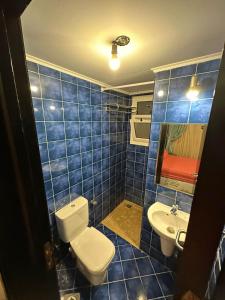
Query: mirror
[179, 155]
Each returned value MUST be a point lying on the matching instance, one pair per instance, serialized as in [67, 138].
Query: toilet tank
[72, 219]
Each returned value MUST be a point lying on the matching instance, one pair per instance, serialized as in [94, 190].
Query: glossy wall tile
[174, 107]
[136, 165]
[82, 147]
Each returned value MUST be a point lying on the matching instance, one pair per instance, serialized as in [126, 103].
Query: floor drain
[129, 206]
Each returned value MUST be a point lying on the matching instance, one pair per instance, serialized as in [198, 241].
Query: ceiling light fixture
[194, 90]
[114, 62]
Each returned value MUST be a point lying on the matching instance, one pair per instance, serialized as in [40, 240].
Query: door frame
[26, 257]
[24, 223]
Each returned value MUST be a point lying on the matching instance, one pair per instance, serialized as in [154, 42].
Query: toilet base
[94, 279]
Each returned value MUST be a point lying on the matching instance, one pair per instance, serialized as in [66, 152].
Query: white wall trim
[144, 92]
[187, 62]
[105, 85]
[69, 72]
[129, 85]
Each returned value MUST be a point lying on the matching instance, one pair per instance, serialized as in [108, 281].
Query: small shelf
[120, 108]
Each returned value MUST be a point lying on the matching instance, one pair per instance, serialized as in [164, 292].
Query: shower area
[126, 218]
[88, 148]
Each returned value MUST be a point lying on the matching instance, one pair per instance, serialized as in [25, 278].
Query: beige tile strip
[125, 220]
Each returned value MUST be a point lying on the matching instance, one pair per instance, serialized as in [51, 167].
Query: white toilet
[93, 250]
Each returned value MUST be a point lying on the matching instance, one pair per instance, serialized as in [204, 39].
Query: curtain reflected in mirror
[179, 156]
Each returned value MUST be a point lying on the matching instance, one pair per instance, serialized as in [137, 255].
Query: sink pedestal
[167, 246]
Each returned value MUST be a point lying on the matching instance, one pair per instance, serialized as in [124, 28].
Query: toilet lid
[93, 249]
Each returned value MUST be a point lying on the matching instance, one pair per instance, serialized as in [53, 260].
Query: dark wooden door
[207, 217]
[26, 258]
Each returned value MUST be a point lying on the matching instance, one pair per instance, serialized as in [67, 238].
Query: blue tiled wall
[174, 107]
[136, 165]
[82, 147]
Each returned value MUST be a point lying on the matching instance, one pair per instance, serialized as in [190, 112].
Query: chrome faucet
[174, 209]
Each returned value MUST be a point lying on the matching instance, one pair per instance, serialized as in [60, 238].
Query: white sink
[166, 225]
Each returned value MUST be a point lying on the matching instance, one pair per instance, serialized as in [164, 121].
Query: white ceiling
[77, 34]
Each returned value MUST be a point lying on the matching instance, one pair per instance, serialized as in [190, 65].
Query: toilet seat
[93, 249]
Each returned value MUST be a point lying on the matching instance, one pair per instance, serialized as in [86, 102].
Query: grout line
[48, 162]
[189, 75]
[138, 270]
[68, 179]
[123, 275]
[158, 280]
[167, 98]
[120, 280]
[100, 108]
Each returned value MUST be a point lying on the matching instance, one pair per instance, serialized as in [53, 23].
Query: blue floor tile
[158, 267]
[107, 231]
[135, 289]
[121, 241]
[113, 238]
[139, 253]
[100, 227]
[117, 255]
[131, 274]
[166, 282]
[130, 269]
[151, 287]
[117, 291]
[115, 272]
[144, 266]
[100, 292]
[126, 252]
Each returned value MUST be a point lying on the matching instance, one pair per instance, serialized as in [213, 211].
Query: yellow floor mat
[125, 220]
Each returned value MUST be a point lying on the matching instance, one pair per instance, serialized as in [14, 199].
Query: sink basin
[166, 225]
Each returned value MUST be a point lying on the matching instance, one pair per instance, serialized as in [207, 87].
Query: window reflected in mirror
[179, 156]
